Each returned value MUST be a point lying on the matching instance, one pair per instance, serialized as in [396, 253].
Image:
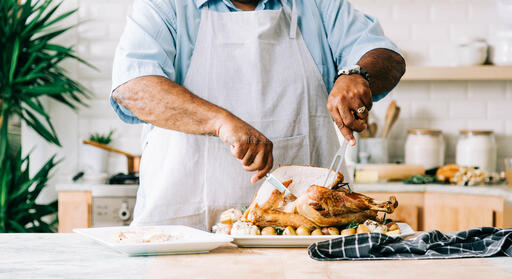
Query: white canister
[477, 148]
[501, 48]
[424, 147]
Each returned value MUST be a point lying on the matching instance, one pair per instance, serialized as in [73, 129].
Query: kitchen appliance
[477, 148]
[112, 205]
[424, 147]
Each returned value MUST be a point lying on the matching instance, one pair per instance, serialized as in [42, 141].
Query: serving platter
[296, 241]
[193, 240]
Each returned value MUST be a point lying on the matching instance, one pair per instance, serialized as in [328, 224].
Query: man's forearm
[385, 68]
[163, 103]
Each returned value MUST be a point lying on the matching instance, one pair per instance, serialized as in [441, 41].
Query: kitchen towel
[473, 243]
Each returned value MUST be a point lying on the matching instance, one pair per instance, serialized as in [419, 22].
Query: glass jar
[477, 148]
[424, 147]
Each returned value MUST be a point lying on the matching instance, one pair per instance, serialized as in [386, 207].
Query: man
[231, 88]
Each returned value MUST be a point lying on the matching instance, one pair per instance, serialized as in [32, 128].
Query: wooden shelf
[419, 73]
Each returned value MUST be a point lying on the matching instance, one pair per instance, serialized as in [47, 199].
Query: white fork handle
[341, 155]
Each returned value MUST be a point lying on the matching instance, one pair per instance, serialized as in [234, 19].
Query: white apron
[256, 65]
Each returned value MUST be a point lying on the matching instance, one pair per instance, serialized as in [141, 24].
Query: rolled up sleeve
[147, 48]
[351, 33]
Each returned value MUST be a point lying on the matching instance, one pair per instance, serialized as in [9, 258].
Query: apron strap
[293, 17]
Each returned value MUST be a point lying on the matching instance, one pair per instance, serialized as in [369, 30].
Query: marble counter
[73, 256]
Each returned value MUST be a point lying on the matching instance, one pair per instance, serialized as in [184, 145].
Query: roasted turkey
[311, 205]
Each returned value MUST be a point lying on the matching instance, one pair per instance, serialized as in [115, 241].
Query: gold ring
[361, 109]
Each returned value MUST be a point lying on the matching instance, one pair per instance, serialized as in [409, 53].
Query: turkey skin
[311, 205]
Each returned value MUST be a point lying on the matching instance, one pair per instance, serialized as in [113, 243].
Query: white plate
[196, 241]
[296, 240]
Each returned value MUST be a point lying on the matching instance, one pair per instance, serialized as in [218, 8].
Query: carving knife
[277, 184]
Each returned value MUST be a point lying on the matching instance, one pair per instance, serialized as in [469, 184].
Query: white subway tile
[93, 30]
[449, 126]
[459, 31]
[487, 90]
[103, 71]
[105, 11]
[442, 54]
[482, 11]
[498, 125]
[398, 32]
[101, 88]
[412, 91]
[406, 11]
[468, 110]
[449, 90]
[449, 11]
[432, 109]
[430, 32]
[499, 110]
[102, 49]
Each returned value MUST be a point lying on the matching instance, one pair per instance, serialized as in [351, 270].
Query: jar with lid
[477, 148]
[424, 147]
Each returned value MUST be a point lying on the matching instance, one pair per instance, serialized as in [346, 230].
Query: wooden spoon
[391, 117]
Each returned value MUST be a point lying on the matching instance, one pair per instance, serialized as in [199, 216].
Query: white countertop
[100, 190]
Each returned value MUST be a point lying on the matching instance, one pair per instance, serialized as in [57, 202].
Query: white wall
[425, 30]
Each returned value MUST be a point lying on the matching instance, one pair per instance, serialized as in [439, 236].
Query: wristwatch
[354, 69]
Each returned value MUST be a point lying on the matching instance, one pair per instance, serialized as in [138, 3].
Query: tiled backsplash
[425, 30]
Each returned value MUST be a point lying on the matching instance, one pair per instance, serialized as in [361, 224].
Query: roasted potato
[268, 231]
[303, 231]
[317, 232]
[362, 229]
[330, 231]
[348, 231]
[392, 226]
[289, 231]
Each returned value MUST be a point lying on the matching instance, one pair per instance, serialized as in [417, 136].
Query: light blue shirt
[160, 35]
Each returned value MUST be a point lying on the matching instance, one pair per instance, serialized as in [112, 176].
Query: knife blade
[277, 184]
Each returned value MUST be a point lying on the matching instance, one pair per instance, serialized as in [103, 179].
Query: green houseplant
[30, 71]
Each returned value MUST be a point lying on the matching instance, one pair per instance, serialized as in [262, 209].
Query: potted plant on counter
[31, 72]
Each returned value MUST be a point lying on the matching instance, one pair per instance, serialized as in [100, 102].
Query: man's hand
[350, 93]
[248, 145]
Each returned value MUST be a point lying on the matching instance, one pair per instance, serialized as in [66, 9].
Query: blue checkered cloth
[478, 242]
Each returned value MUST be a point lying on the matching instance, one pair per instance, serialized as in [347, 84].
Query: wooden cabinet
[75, 210]
[453, 212]
[448, 212]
